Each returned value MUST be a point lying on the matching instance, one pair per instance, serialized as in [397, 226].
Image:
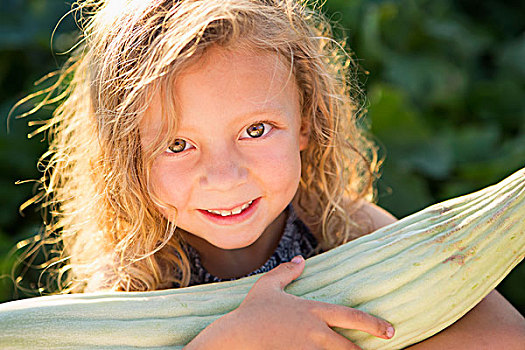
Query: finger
[283, 274]
[349, 318]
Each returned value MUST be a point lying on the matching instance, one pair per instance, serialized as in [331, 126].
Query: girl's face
[235, 163]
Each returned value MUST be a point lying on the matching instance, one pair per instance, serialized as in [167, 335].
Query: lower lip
[232, 219]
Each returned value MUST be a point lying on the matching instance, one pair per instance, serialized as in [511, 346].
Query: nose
[223, 170]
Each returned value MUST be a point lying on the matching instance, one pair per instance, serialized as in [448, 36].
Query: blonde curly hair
[96, 185]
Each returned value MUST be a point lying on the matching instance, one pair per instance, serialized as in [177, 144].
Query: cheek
[280, 167]
[171, 187]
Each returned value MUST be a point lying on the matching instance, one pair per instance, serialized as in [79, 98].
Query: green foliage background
[445, 85]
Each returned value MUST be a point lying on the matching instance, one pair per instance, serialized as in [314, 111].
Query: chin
[230, 245]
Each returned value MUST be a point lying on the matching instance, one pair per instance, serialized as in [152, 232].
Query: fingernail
[390, 332]
[298, 259]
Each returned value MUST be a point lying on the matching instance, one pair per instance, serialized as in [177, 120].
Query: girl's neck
[234, 263]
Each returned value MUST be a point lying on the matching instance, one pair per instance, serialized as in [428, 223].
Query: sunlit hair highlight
[96, 181]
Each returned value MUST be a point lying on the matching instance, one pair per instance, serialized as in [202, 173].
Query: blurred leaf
[6, 262]
[402, 192]
[393, 118]
[427, 79]
[474, 143]
[433, 158]
[499, 101]
[512, 56]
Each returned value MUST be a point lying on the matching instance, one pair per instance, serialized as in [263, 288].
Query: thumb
[284, 274]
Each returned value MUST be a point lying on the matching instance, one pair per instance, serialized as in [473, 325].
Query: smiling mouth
[234, 211]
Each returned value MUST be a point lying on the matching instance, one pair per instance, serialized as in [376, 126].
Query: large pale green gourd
[421, 273]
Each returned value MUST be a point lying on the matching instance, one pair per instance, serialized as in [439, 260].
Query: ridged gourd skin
[421, 273]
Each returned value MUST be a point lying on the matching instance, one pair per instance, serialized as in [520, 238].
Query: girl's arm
[492, 324]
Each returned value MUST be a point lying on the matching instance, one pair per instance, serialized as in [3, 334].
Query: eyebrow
[279, 113]
[273, 111]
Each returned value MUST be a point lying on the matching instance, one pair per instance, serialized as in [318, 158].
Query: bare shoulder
[369, 215]
[379, 217]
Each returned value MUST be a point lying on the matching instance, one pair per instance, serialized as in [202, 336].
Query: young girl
[203, 141]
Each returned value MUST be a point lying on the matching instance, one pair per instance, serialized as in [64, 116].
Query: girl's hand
[269, 318]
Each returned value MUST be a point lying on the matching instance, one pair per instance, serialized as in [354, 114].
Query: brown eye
[256, 130]
[178, 146]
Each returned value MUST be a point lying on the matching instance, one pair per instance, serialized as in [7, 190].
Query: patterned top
[296, 240]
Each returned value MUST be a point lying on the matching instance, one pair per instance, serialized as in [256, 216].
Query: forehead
[227, 85]
[255, 78]
[238, 62]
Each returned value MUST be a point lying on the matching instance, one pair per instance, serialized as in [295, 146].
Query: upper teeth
[234, 211]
